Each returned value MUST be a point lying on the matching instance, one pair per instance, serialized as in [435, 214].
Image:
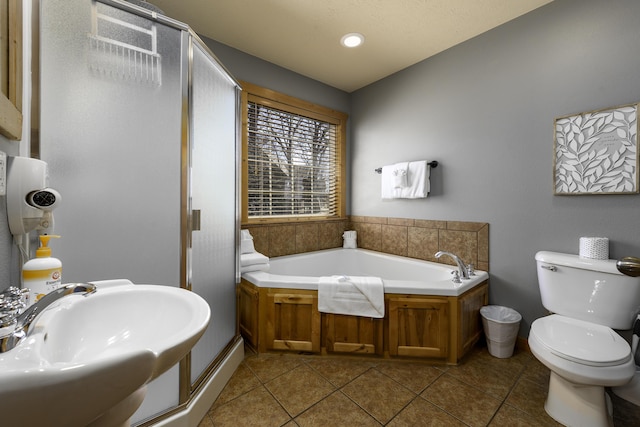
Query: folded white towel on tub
[352, 295]
[246, 242]
[253, 258]
[254, 267]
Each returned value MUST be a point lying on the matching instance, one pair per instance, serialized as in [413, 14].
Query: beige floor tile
[529, 397]
[242, 381]
[206, 422]
[255, 408]
[381, 392]
[423, 413]
[508, 416]
[335, 410]
[414, 376]
[378, 394]
[339, 371]
[496, 377]
[269, 366]
[536, 372]
[299, 389]
[461, 400]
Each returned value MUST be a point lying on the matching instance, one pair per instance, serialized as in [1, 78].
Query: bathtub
[400, 275]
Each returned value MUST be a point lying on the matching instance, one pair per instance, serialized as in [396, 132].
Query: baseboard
[199, 405]
[522, 344]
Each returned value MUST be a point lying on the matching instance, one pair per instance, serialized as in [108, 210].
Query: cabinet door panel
[292, 322]
[418, 327]
[470, 328]
[352, 334]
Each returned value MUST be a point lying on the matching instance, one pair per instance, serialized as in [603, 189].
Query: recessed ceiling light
[352, 40]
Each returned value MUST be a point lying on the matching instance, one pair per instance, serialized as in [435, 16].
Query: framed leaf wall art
[597, 152]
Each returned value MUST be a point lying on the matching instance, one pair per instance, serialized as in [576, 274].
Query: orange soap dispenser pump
[43, 273]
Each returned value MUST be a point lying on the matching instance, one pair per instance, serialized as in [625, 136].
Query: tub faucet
[15, 323]
[463, 270]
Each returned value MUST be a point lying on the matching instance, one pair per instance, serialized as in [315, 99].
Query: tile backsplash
[414, 238]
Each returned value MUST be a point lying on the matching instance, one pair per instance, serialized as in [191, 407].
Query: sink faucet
[463, 270]
[15, 323]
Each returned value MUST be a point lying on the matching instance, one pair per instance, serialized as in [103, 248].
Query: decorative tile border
[414, 238]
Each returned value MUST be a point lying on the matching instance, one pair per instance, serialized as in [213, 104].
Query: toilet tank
[588, 289]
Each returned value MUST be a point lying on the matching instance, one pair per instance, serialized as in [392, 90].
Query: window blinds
[291, 161]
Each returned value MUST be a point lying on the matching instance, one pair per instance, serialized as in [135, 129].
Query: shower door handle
[195, 220]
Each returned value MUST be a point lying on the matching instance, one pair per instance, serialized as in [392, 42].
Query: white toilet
[589, 298]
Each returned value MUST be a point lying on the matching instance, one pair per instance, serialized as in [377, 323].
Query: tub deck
[400, 274]
[280, 313]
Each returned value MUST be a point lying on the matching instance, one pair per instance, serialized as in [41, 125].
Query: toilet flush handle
[550, 267]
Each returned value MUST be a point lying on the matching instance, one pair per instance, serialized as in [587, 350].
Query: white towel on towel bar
[352, 295]
[418, 181]
[400, 172]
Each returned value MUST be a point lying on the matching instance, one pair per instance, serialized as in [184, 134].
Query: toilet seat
[581, 342]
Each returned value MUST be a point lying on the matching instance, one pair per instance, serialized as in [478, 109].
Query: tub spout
[463, 270]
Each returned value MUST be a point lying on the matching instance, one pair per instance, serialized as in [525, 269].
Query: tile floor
[303, 390]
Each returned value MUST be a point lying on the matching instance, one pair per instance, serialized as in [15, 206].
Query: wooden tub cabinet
[439, 328]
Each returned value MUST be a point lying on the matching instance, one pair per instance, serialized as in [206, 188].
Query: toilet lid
[582, 342]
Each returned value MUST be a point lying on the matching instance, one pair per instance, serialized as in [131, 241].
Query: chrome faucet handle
[456, 277]
[462, 268]
[18, 327]
[13, 301]
[471, 271]
[12, 293]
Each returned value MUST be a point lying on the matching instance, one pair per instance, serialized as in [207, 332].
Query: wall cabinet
[433, 327]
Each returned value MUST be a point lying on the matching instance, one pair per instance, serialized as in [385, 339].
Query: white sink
[86, 355]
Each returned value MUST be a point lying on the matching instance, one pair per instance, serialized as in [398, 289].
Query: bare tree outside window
[291, 164]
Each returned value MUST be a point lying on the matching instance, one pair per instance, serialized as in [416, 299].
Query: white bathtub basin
[401, 275]
[87, 354]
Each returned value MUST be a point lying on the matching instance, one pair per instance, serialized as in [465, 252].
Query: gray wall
[485, 110]
[257, 71]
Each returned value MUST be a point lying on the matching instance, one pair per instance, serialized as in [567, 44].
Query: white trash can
[501, 325]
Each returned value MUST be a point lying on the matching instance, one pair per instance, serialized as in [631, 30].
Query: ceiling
[304, 35]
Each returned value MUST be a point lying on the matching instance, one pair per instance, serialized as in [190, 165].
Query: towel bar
[433, 164]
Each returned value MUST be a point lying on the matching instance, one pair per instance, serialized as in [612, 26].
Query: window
[293, 158]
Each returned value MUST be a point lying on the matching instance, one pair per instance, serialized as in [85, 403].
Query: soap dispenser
[42, 274]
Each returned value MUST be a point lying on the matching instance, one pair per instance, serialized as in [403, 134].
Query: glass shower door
[213, 192]
[111, 122]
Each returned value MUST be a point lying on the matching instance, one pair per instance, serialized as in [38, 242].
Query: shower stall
[139, 125]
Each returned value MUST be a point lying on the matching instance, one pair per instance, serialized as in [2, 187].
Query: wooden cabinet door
[292, 321]
[418, 326]
[352, 334]
[248, 313]
[470, 322]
